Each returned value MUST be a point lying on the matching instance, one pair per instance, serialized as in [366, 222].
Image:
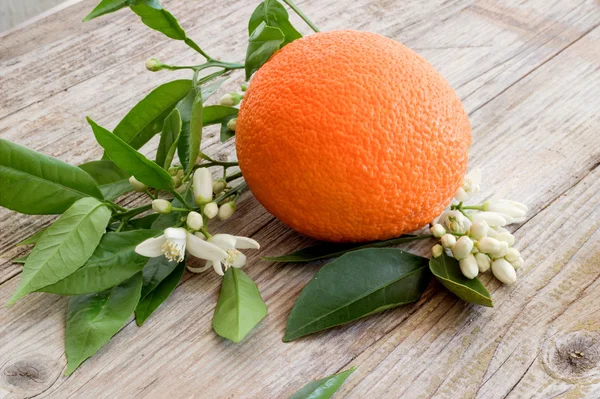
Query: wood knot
[572, 356]
[28, 376]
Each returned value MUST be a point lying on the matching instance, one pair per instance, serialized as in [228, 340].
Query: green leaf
[155, 271]
[185, 110]
[211, 88]
[145, 222]
[130, 160]
[356, 285]
[32, 239]
[147, 117]
[106, 7]
[168, 139]
[65, 246]
[327, 250]
[194, 139]
[22, 259]
[239, 308]
[149, 303]
[213, 114]
[226, 133]
[37, 184]
[447, 270]
[156, 17]
[323, 388]
[112, 180]
[113, 262]
[263, 43]
[273, 13]
[93, 319]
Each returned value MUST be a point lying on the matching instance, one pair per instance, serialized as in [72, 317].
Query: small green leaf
[195, 135]
[155, 271]
[106, 7]
[93, 319]
[214, 114]
[226, 133]
[185, 110]
[147, 117]
[65, 246]
[21, 260]
[130, 160]
[37, 184]
[32, 239]
[168, 139]
[447, 270]
[112, 180]
[356, 285]
[273, 13]
[211, 88]
[149, 303]
[327, 250]
[145, 222]
[263, 43]
[239, 308]
[323, 388]
[113, 262]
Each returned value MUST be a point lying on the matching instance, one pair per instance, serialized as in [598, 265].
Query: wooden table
[528, 73]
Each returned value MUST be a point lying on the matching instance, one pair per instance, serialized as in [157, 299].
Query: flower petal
[202, 269]
[245, 242]
[204, 249]
[239, 261]
[225, 241]
[218, 268]
[151, 248]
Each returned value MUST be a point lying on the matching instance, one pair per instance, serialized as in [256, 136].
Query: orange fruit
[351, 136]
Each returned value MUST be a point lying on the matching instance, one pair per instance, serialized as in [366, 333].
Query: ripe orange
[351, 136]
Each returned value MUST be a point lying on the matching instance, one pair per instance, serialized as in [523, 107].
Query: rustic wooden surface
[528, 73]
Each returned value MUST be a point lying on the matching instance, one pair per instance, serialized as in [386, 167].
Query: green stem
[117, 207]
[294, 7]
[473, 207]
[149, 194]
[193, 45]
[133, 212]
[233, 177]
[227, 66]
[181, 199]
[240, 188]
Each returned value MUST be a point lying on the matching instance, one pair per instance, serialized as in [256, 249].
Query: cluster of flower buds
[204, 188]
[475, 234]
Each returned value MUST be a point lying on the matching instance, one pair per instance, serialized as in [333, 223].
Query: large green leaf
[194, 138]
[112, 180]
[168, 139]
[113, 262]
[327, 250]
[147, 117]
[447, 270]
[185, 110]
[323, 388]
[356, 285]
[262, 44]
[273, 13]
[37, 184]
[150, 302]
[214, 114]
[93, 319]
[65, 246]
[106, 7]
[130, 160]
[239, 308]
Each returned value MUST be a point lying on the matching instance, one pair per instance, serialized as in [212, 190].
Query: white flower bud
[517, 264]
[504, 271]
[483, 262]
[437, 230]
[512, 254]
[232, 124]
[470, 186]
[437, 250]
[479, 230]
[501, 251]
[491, 218]
[219, 186]
[161, 206]
[462, 248]
[183, 187]
[448, 240]
[203, 186]
[468, 267]
[230, 99]
[515, 210]
[488, 245]
[507, 237]
[200, 236]
[194, 221]
[211, 210]
[226, 210]
[153, 65]
[137, 185]
[456, 222]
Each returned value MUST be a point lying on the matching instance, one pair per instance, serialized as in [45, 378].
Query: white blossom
[226, 210]
[462, 248]
[483, 262]
[488, 245]
[161, 206]
[437, 250]
[137, 185]
[211, 210]
[202, 186]
[437, 230]
[456, 222]
[479, 230]
[231, 245]
[515, 210]
[468, 267]
[493, 219]
[470, 186]
[194, 221]
[448, 240]
[504, 271]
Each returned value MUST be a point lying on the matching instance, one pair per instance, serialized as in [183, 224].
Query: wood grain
[528, 74]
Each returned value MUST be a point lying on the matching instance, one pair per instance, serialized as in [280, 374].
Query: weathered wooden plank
[443, 346]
